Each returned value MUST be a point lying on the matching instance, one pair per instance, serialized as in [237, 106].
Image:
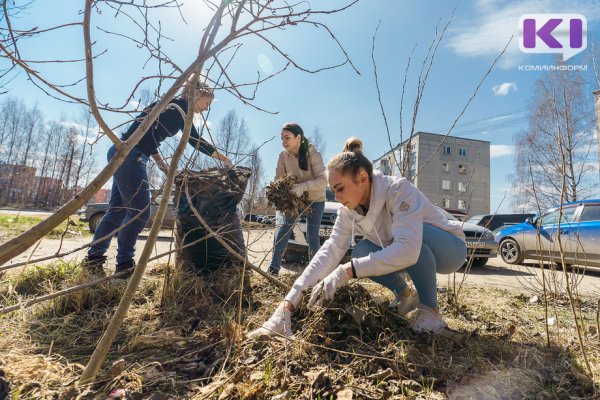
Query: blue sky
[340, 102]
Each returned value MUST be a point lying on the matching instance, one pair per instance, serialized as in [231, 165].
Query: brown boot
[94, 265]
[128, 266]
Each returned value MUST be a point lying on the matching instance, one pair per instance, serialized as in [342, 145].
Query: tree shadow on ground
[491, 270]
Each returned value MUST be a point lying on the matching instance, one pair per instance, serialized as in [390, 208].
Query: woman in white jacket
[402, 231]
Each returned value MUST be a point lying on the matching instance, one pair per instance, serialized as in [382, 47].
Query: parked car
[496, 221]
[579, 235]
[268, 220]
[480, 241]
[297, 250]
[253, 217]
[95, 211]
[481, 244]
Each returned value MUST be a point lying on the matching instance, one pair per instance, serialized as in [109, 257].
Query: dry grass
[12, 225]
[187, 342]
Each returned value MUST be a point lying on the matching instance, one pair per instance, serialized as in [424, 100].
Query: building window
[385, 166]
[446, 167]
[462, 151]
[447, 150]
[462, 205]
[462, 187]
[446, 203]
[462, 169]
[445, 184]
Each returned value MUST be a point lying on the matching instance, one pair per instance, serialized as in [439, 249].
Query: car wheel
[95, 221]
[479, 261]
[511, 252]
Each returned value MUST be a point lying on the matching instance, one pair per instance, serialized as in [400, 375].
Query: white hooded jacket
[397, 212]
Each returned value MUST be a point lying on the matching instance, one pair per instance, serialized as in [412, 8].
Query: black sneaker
[94, 265]
[273, 271]
[128, 266]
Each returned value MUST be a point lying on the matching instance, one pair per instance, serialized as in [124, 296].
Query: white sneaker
[405, 304]
[428, 320]
[280, 323]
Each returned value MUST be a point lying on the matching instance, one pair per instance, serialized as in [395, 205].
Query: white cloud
[503, 88]
[500, 150]
[487, 31]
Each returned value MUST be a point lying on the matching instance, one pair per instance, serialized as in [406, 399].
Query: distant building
[452, 172]
[17, 183]
[102, 196]
[48, 192]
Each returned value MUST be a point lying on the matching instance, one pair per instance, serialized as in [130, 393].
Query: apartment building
[452, 172]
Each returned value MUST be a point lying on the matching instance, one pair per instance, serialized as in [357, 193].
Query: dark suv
[495, 221]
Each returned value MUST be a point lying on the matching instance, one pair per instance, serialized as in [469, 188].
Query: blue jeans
[441, 252]
[130, 194]
[285, 225]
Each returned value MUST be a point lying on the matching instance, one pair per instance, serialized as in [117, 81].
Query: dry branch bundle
[279, 194]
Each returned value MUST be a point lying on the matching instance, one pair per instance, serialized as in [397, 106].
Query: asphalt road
[32, 213]
[497, 274]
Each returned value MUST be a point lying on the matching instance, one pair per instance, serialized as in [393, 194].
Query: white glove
[280, 323]
[325, 289]
[298, 190]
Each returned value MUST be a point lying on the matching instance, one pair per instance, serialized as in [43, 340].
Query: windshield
[446, 214]
[475, 220]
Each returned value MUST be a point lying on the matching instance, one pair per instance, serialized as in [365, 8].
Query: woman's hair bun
[353, 145]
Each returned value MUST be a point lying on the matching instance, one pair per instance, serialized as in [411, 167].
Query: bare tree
[234, 140]
[86, 126]
[232, 23]
[561, 121]
[318, 140]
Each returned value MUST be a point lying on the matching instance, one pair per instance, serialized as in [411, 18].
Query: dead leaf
[345, 394]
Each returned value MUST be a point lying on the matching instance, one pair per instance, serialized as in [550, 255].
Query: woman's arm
[326, 259]
[319, 172]
[406, 205]
[280, 169]
[160, 163]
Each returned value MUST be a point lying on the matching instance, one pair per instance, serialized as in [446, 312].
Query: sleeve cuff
[294, 296]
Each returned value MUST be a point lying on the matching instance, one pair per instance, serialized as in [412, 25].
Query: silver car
[579, 234]
[95, 211]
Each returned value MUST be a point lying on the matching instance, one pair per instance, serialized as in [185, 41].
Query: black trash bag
[4, 386]
[215, 194]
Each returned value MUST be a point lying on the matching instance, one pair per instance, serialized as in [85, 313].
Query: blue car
[579, 234]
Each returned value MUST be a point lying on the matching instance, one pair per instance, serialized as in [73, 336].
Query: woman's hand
[298, 190]
[326, 289]
[160, 163]
[279, 324]
[221, 157]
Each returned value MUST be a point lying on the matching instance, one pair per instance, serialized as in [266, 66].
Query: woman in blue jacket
[130, 198]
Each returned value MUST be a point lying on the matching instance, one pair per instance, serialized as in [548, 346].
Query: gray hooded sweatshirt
[397, 212]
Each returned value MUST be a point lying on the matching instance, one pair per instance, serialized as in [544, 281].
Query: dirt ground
[496, 274]
[184, 336]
